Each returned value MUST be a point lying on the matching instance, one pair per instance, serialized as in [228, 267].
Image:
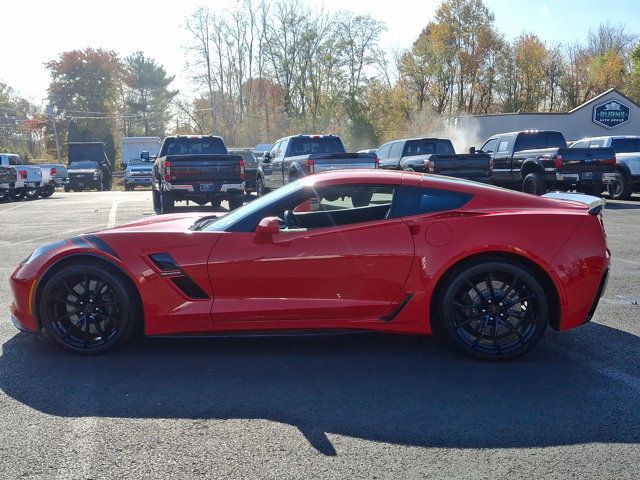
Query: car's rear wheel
[216, 202]
[621, 188]
[47, 191]
[4, 195]
[155, 198]
[534, 183]
[167, 202]
[31, 193]
[235, 201]
[16, 194]
[260, 188]
[494, 310]
[67, 188]
[87, 309]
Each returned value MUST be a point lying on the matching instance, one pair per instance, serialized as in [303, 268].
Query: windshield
[224, 222]
[82, 165]
[194, 146]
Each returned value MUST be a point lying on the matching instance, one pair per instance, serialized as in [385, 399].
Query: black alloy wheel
[494, 310]
[47, 191]
[621, 188]
[87, 309]
[235, 201]
[16, 194]
[534, 183]
[31, 193]
[4, 195]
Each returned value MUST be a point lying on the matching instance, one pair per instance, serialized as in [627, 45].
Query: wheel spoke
[489, 282]
[65, 301]
[475, 288]
[462, 305]
[467, 321]
[69, 289]
[66, 315]
[86, 332]
[511, 287]
[513, 330]
[479, 337]
[519, 300]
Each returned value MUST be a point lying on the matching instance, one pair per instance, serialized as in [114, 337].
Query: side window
[419, 200]
[490, 145]
[275, 149]
[503, 146]
[383, 151]
[340, 205]
[580, 144]
[596, 143]
[283, 148]
[396, 149]
[14, 160]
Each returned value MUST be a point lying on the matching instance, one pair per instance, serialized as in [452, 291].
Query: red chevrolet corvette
[349, 250]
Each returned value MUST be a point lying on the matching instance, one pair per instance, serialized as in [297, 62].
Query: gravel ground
[362, 406]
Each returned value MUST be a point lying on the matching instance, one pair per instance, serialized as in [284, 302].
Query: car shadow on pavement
[394, 389]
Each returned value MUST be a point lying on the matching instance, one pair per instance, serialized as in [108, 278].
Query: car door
[277, 163]
[267, 166]
[502, 159]
[330, 273]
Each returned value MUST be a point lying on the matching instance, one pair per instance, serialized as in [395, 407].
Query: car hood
[177, 222]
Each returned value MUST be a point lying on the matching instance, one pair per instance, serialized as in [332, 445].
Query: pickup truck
[435, 156]
[8, 178]
[53, 175]
[196, 168]
[250, 167]
[84, 175]
[301, 155]
[92, 152]
[537, 160]
[138, 172]
[627, 148]
[28, 179]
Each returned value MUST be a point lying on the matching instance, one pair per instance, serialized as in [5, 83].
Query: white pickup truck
[29, 178]
[53, 175]
[627, 148]
[8, 179]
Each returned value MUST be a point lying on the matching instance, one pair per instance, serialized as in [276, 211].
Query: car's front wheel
[47, 191]
[494, 310]
[87, 309]
[622, 187]
[31, 193]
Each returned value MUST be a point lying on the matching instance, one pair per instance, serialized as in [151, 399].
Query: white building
[610, 113]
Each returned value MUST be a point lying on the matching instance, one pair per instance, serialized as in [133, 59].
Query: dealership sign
[610, 114]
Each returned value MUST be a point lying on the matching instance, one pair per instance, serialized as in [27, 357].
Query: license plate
[206, 187]
[587, 175]
[81, 184]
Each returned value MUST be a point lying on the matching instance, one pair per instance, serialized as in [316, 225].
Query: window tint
[396, 149]
[383, 151]
[625, 145]
[14, 160]
[309, 145]
[84, 165]
[417, 200]
[426, 147]
[580, 144]
[596, 143]
[490, 146]
[194, 146]
[537, 140]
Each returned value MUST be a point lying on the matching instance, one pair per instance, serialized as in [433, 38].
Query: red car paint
[347, 277]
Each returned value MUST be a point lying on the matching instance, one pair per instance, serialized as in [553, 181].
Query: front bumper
[137, 180]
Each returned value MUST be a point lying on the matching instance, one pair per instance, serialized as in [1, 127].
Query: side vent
[169, 268]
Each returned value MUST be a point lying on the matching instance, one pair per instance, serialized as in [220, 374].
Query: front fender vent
[170, 269]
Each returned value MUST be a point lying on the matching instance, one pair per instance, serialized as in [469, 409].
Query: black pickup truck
[89, 166]
[537, 160]
[294, 157]
[197, 168]
[436, 156]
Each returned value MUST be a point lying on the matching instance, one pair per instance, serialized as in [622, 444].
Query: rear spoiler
[594, 204]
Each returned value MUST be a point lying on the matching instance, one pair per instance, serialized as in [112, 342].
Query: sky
[36, 31]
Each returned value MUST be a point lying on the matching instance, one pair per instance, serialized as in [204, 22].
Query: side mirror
[472, 150]
[144, 155]
[267, 227]
[267, 157]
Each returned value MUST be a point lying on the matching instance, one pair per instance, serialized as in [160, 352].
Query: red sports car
[491, 267]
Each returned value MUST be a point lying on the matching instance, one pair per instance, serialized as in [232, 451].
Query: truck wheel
[535, 184]
[167, 202]
[155, 198]
[66, 188]
[621, 188]
[16, 194]
[260, 188]
[4, 195]
[216, 202]
[595, 190]
[47, 191]
[235, 201]
[99, 187]
[31, 193]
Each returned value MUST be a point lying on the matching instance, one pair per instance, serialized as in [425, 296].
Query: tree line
[262, 70]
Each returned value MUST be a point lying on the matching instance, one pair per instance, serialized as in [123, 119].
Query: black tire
[622, 187]
[361, 199]
[155, 198]
[128, 188]
[99, 187]
[67, 188]
[31, 193]
[494, 310]
[4, 196]
[260, 188]
[235, 201]
[47, 191]
[16, 194]
[167, 202]
[595, 190]
[534, 183]
[87, 309]
[216, 202]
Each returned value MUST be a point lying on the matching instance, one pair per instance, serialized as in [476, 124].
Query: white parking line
[114, 210]
[14, 207]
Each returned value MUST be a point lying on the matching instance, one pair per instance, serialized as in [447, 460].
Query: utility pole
[55, 131]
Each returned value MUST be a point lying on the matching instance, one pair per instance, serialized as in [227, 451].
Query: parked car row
[18, 180]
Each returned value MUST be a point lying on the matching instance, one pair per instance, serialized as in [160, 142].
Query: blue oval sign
[610, 114]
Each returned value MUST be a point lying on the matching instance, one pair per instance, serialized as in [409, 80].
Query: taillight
[431, 166]
[167, 171]
[609, 161]
[23, 174]
[376, 162]
[557, 161]
[310, 165]
[52, 172]
[242, 174]
[490, 165]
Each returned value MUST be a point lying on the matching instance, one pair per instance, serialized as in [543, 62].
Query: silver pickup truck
[29, 178]
[53, 175]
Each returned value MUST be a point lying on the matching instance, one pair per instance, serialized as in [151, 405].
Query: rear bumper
[584, 178]
[601, 289]
[217, 188]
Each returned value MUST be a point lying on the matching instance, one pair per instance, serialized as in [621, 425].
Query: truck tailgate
[342, 161]
[469, 166]
[204, 168]
[587, 160]
[7, 174]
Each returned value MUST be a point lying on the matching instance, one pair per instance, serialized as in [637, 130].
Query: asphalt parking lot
[365, 406]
